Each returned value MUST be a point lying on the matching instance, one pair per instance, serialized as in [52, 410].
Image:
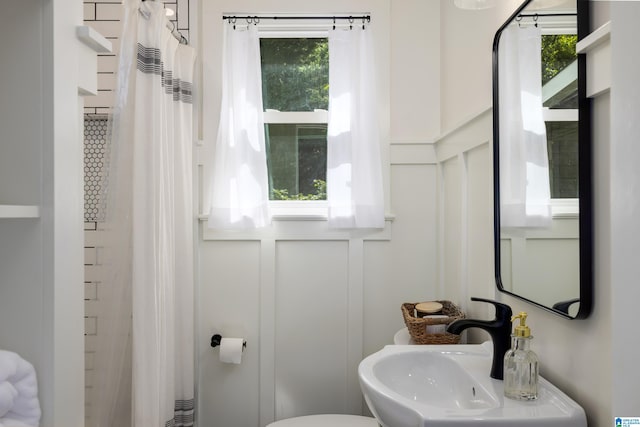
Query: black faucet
[499, 329]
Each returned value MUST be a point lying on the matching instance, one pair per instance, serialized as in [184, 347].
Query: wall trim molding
[464, 123]
[308, 230]
[412, 153]
[471, 134]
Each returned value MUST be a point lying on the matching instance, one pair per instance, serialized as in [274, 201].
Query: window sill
[565, 209]
[298, 210]
[298, 220]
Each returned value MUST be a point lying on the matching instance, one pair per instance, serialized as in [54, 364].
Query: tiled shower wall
[105, 17]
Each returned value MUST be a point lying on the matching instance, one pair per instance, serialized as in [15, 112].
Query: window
[562, 145]
[275, 86]
[560, 99]
[295, 96]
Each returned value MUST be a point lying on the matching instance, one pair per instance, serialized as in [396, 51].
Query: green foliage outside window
[295, 78]
[321, 193]
[295, 73]
[558, 51]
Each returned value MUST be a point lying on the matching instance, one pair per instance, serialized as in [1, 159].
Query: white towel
[8, 394]
[19, 405]
[8, 422]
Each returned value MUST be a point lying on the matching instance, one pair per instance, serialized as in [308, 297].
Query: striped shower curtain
[147, 352]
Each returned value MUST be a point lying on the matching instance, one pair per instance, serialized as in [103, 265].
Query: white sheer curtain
[144, 361]
[354, 170]
[239, 191]
[524, 165]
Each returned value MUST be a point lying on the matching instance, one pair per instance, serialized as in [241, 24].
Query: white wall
[415, 29]
[542, 264]
[466, 39]
[41, 257]
[585, 358]
[312, 302]
[624, 205]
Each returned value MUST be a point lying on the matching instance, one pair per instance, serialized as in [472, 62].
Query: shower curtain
[144, 363]
[355, 194]
[525, 191]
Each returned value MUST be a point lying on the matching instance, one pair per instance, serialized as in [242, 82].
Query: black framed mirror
[543, 238]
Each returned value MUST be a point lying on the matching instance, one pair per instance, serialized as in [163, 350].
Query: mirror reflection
[537, 150]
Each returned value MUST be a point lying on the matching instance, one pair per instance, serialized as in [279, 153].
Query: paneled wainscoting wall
[312, 302]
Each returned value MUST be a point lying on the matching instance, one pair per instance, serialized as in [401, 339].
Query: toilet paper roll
[231, 350]
[436, 329]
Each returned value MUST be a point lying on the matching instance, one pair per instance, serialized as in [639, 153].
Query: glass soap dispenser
[521, 364]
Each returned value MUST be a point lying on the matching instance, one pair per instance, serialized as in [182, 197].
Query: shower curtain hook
[351, 22]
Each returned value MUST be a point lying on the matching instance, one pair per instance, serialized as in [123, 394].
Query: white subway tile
[99, 255]
[107, 28]
[108, 63]
[90, 291]
[93, 273]
[109, 11]
[107, 81]
[89, 11]
[105, 110]
[183, 14]
[91, 308]
[102, 99]
[94, 238]
[89, 256]
[90, 342]
[115, 45]
[88, 379]
[89, 360]
[91, 325]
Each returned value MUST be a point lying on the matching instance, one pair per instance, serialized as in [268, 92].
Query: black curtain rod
[252, 19]
[533, 15]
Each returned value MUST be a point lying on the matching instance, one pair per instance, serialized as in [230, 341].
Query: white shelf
[19, 211]
[597, 47]
[597, 37]
[93, 39]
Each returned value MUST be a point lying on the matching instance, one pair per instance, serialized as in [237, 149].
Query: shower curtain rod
[171, 26]
[257, 18]
[534, 15]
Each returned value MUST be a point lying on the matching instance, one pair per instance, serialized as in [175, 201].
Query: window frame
[562, 207]
[212, 48]
[296, 209]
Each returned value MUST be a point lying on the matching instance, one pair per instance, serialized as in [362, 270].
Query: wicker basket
[417, 327]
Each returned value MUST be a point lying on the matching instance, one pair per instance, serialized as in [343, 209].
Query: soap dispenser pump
[521, 364]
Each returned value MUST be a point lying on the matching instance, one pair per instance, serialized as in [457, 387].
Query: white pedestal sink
[449, 386]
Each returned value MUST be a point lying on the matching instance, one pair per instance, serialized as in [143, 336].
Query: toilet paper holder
[217, 339]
